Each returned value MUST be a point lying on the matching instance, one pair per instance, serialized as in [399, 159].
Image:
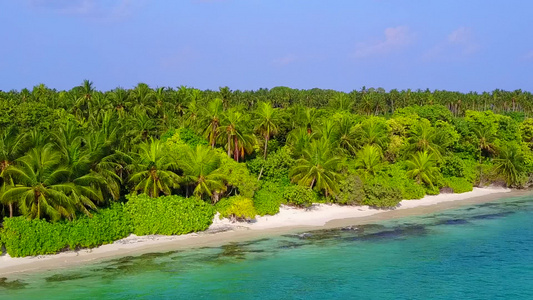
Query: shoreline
[289, 220]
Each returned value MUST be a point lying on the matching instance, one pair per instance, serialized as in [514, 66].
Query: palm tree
[372, 131]
[234, 126]
[424, 137]
[422, 167]
[299, 139]
[318, 168]
[225, 94]
[11, 147]
[267, 119]
[369, 160]
[486, 145]
[200, 167]
[42, 186]
[340, 101]
[345, 134]
[510, 164]
[213, 113]
[154, 169]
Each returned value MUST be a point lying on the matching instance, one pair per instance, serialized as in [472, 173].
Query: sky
[456, 45]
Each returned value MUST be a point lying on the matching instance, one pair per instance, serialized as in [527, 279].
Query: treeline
[64, 154]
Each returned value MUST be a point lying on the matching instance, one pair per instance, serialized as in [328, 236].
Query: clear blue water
[475, 252]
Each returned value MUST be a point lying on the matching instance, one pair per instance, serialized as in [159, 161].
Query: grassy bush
[23, 237]
[381, 194]
[395, 176]
[351, 191]
[458, 184]
[268, 199]
[238, 207]
[168, 215]
[298, 195]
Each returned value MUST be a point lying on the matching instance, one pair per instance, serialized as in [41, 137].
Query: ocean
[484, 251]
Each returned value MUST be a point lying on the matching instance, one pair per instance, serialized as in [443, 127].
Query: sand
[224, 231]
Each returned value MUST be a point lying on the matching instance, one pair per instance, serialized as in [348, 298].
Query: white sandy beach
[223, 231]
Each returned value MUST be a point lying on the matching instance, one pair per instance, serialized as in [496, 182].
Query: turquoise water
[475, 252]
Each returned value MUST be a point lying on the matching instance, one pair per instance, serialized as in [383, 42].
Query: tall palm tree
[485, 143]
[154, 170]
[299, 139]
[11, 148]
[234, 127]
[42, 186]
[422, 167]
[346, 136]
[510, 164]
[424, 137]
[372, 131]
[369, 160]
[225, 95]
[200, 167]
[267, 122]
[318, 168]
[213, 115]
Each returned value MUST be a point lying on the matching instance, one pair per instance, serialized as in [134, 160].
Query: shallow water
[475, 252]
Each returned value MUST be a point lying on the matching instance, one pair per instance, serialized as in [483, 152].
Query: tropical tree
[200, 167]
[299, 139]
[42, 186]
[154, 169]
[213, 115]
[267, 123]
[238, 139]
[372, 131]
[318, 168]
[510, 164]
[422, 167]
[369, 160]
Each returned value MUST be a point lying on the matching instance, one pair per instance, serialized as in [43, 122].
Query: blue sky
[472, 45]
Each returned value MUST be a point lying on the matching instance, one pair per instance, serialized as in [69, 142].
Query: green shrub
[351, 191]
[432, 190]
[238, 207]
[268, 199]
[396, 177]
[237, 176]
[411, 190]
[298, 195]
[275, 167]
[106, 226]
[381, 194]
[23, 237]
[168, 215]
[458, 184]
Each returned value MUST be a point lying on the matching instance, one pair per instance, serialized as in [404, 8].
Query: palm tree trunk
[213, 136]
[312, 183]
[235, 149]
[10, 210]
[266, 145]
[229, 145]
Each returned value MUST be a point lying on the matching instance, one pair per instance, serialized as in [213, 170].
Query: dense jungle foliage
[66, 155]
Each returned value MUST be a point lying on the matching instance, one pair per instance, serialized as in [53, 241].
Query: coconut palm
[510, 164]
[424, 137]
[238, 140]
[299, 139]
[200, 167]
[372, 131]
[42, 186]
[369, 160]
[318, 168]
[422, 167]
[267, 118]
[153, 170]
[213, 115]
